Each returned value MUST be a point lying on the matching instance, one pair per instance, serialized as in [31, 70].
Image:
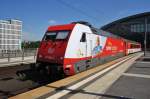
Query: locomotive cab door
[83, 46]
[89, 45]
[84, 52]
[86, 45]
[88, 49]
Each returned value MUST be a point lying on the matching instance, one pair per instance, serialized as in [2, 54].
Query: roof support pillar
[145, 37]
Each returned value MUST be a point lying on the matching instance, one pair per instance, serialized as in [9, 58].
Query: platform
[128, 81]
[111, 80]
[100, 86]
[135, 82]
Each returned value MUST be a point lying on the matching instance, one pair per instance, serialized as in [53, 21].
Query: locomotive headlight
[40, 56]
[68, 66]
[61, 58]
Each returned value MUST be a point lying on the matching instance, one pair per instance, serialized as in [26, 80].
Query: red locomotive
[76, 47]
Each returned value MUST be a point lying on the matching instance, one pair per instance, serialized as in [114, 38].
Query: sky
[37, 15]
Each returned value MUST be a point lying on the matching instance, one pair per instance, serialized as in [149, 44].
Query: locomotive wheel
[41, 68]
[20, 75]
[52, 71]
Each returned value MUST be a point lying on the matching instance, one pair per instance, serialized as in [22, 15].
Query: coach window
[83, 38]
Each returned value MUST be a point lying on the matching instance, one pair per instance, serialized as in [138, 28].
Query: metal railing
[14, 54]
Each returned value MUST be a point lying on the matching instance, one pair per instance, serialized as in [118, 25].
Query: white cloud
[52, 22]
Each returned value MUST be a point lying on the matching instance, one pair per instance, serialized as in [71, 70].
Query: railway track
[21, 78]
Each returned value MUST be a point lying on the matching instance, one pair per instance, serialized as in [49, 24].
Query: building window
[0, 37]
[1, 30]
[1, 25]
[137, 28]
[148, 27]
[10, 34]
[142, 27]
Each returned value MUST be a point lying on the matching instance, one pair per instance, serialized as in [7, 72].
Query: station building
[132, 27]
[10, 35]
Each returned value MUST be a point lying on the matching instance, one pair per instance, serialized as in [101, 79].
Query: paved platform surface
[130, 80]
[135, 82]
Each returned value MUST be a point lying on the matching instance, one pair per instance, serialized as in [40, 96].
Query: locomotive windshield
[57, 35]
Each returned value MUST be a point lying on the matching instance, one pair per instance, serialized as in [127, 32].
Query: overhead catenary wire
[78, 10]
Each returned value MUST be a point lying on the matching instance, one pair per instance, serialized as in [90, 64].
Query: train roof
[102, 32]
[61, 27]
[95, 30]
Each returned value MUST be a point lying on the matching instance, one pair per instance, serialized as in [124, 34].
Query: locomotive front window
[57, 35]
[50, 36]
[62, 35]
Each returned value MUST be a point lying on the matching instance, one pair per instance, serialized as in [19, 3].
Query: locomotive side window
[83, 38]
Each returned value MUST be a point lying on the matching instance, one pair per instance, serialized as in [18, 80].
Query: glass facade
[132, 28]
[139, 28]
[10, 35]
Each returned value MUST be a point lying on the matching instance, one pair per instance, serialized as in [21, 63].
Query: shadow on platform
[73, 92]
